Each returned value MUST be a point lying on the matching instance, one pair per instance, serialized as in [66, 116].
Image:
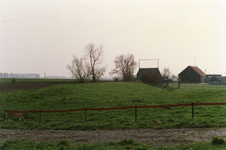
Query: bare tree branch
[124, 66]
[95, 59]
[166, 75]
[79, 69]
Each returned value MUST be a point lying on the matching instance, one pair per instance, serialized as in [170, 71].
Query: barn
[192, 74]
[149, 75]
[147, 70]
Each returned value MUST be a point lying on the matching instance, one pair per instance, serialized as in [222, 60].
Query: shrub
[217, 141]
[115, 79]
[63, 143]
[127, 142]
[13, 80]
[145, 78]
[127, 77]
[151, 78]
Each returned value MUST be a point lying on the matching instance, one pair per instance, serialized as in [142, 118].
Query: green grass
[122, 145]
[113, 94]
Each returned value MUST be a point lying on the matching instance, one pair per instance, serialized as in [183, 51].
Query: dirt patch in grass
[168, 137]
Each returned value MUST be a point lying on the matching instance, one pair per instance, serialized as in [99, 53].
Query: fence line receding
[15, 112]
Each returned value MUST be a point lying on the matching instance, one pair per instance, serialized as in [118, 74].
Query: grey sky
[38, 36]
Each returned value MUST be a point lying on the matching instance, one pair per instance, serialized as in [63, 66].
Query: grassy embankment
[114, 94]
[122, 145]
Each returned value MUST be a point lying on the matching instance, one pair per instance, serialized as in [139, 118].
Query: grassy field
[122, 145]
[113, 94]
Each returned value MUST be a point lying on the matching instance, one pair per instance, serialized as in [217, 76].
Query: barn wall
[190, 76]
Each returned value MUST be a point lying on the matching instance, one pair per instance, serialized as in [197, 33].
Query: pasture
[122, 145]
[114, 94]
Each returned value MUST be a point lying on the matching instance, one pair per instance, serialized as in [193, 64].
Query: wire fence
[193, 86]
[18, 112]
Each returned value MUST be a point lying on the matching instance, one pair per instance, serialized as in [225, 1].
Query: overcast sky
[38, 36]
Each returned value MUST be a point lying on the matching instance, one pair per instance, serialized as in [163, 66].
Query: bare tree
[174, 78]
[79, 69]
[166, 75]
[95, 59]
[124, 66]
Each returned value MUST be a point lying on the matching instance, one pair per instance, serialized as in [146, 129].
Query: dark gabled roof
[197, 70]
[141, 70]
[149, 70]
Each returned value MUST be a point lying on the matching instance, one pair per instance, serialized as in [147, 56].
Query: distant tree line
[19, 75]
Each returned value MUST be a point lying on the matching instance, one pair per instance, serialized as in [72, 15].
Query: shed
[218, 80]
[210, 76]
[192, 74]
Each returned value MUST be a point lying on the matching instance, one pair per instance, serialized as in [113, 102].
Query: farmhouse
[218, 80]
[192, 74]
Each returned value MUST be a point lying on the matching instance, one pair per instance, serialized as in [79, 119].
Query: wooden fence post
[135, 113]
[192, 110]
[85, 114]
[40, 115]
